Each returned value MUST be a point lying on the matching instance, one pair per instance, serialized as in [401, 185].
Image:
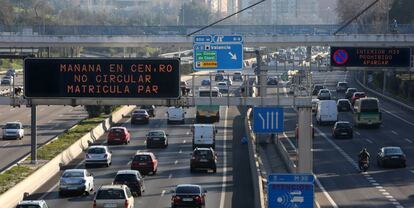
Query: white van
[204, 135]
[326, 112]
[176, 115]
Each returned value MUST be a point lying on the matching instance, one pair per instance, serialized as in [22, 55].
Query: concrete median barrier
[44, 173]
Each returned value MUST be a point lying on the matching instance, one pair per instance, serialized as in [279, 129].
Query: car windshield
[96, 151]
[12, 126]
[343, 102]
[110, 194]
[207, 93]
[142, 158]
[187, 190]
[72, 174]
[156, 133]
[342, 84]
[125, 177]
[392, 151]
[205, 82]
[141, 112]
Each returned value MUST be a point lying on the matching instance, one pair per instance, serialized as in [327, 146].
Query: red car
[145, 163]
[356, 96]
[118, 135]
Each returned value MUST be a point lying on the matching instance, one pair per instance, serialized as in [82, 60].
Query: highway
[335, 160]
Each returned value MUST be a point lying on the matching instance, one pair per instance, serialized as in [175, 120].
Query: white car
[113, 196]
[98, 155]
[32, 204]
[223, 87]
[76, 180]
[229, 82]
[176, 114]
[13, 130]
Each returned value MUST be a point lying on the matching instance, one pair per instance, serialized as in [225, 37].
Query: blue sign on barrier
[267, 120]
[218, 52]
[290, 190]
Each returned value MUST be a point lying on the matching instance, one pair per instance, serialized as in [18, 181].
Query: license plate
[155, 139]
[344, 133]
[203, 160]
[72, 188]
[142, 163]
[109, 205]
[395, 157]
[187, 199]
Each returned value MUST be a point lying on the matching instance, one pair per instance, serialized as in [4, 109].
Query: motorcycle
[363, 165]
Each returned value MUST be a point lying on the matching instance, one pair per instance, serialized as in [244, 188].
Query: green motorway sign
[206, 56]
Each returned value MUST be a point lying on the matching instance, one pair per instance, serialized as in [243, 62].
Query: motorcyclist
[363, 156]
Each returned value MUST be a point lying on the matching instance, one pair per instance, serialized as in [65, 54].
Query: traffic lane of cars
[173, 169]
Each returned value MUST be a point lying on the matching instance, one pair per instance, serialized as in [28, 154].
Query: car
[113, 196]
[98, 155]
[140, 116]
[272, 81]
[76, 180]
[219, 77]
[237, 76]
[343, 105]
[7, 80]
[316, 89]
[223, 87]
[131, 178]
[13, 130]
[314, 104]
[175, 114]
[185, 89]
[324, 94]
[229, 82]
[349, 92]
[356, 96]
[118, 135]
[301, 91]
[11, 72]
[32, 204]
[145, 163]
[205, 82]
[188, 195]
[341, 86]
[342, 129]
[157, 138]
[203, 158]
[390, 157]
[150, 109]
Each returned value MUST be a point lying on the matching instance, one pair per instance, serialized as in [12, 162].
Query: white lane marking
[290, 142]
[184, 141]
[408, 140]
[129, 163]
[163, 193]
[175, 162]
[57, 183]
[49, 121]
[188, 133]
[334, 205]
[7, 143]
[412, 171]
[346, 156]
[369, 141]
[394, 132]
[396, 116]
[61, 115]
[379, 187]
[170, 176]
[180, 152]
[223, 184]
[357, 133]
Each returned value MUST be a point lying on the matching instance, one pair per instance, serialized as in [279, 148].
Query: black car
[343, 105]
[132, 179]
[271, 81]
[219, 77]
[204, 159]
[342, 129]
[188, 195]
[349, 92]
[140, 116]
[150, 109]
[391, 156]
[157, 138]
[316, 89]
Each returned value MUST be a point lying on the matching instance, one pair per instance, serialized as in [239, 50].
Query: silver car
[76, 180]
[98, 155]
[113, 196]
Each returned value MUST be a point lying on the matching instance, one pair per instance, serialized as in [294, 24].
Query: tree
[194, 13]
[6, 13]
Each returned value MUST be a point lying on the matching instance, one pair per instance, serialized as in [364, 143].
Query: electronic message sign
[370, 57]
[101, 78]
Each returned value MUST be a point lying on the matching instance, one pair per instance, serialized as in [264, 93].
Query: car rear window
[117, 131]
[342, 84]
[142, 158]
[125, 177]
[156, 133]
[392, 151]
[110, 194]
[187, 190]
[342, 125]
[72, 174]
[139, 112]
[203, 153]
[96, 151]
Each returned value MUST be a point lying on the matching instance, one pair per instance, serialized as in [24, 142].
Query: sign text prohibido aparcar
[101, 78]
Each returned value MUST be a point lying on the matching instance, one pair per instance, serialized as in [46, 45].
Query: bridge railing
[246, 30]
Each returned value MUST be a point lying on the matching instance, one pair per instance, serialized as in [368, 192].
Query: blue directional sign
[290, 190]
[267, 120]
[218, 52]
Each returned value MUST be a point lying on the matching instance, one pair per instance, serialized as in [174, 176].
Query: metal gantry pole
[384, 83]
[33, 132]
[305, 156]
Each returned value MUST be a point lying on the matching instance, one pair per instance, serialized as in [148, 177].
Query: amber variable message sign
[101, 78]
[370, 57]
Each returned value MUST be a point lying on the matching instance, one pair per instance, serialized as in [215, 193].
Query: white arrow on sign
[233, 56]
[268, 122]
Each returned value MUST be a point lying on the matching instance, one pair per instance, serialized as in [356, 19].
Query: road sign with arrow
[218, 52]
